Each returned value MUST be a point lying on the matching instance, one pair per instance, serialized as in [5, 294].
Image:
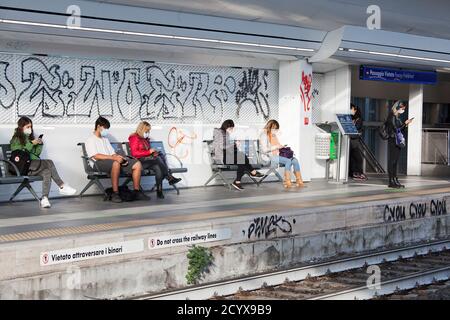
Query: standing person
[270, 150]
[396, 141]
[226, 152]
[100, 151]
[24, 139]
[140, 147]
[356, 159]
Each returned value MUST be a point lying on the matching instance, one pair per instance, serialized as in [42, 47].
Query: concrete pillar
[342, 105]
[295, 112]
[415, 108]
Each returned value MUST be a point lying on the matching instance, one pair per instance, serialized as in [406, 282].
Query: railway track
[390, 271]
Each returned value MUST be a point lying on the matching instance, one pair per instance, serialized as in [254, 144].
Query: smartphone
[40, 137]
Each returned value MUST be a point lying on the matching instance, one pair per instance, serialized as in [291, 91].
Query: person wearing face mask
[100, 151]
[396, 142]
[140, 147]
[226, 152]
[356, 159]
[24, 139]
[270, 151]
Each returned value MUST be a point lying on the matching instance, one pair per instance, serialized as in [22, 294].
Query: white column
[342, 105]
[415, 107]
[295, 119]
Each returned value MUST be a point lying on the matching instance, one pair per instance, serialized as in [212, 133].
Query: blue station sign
[397, 75]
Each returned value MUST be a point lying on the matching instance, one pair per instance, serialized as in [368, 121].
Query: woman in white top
[270, 151]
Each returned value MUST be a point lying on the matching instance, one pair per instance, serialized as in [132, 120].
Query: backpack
[124, 192]
[382, 130]
[21, 160]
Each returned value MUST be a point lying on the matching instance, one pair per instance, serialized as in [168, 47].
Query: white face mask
[275, 131]
[27, 131]
[147, 135]
[104, 132]
[400, 111]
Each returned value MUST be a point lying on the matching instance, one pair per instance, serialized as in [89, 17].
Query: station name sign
[397, 75]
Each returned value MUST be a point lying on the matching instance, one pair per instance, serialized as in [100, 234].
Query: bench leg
[253, 179]
[90, 184]
[25, 184]
[280, 178]
[270, 171]
[211, 178]
[225, 180]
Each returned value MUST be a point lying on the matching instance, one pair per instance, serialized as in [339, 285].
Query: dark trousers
[356, 159]
[158, 165]
[393, 156]
[240, 160]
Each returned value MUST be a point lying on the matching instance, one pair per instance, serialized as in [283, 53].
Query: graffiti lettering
[265, 226]
[54, 87]
[251, 92]
[417, 210]
[394, 213]
[438, 208]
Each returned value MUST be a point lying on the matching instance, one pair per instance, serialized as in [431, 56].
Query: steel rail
[230, 287]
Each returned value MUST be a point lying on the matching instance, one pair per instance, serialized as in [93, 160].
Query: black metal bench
[271, 169]
[94, 175]
[251, 150]
[7, 178]
[159, 146]
[218, 168]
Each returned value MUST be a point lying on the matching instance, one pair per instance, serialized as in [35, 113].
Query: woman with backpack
[24, 140]
[272, 150]
[396, 141]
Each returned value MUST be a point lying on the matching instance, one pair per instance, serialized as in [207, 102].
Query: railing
[435, 146]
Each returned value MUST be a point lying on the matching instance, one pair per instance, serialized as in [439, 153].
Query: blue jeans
[288, 163]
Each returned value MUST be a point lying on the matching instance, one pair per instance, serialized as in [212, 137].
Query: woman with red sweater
[141, 149]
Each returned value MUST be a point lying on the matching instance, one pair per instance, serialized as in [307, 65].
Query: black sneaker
[257, 175]
[174, 181]
[237, 186]
[115, 197]
[140, 195]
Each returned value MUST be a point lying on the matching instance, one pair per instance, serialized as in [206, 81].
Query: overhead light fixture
[395, 55]
[154, 35]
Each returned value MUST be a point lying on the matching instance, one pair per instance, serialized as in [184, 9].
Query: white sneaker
[45, 203]
[67, 190]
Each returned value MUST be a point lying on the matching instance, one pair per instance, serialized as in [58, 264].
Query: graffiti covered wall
[60, 90]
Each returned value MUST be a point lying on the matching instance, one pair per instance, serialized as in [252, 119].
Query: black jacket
[393, 123]
[359, 126]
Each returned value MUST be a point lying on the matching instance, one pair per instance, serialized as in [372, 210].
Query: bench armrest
[178, 159]
[11, 164]
[95, 168]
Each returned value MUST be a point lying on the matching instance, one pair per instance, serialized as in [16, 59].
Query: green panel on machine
[334, 142]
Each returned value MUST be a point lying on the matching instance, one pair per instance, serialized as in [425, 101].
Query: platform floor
[21, 221]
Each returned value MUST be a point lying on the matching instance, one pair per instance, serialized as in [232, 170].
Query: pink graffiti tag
[305, 89]
[177, 138]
